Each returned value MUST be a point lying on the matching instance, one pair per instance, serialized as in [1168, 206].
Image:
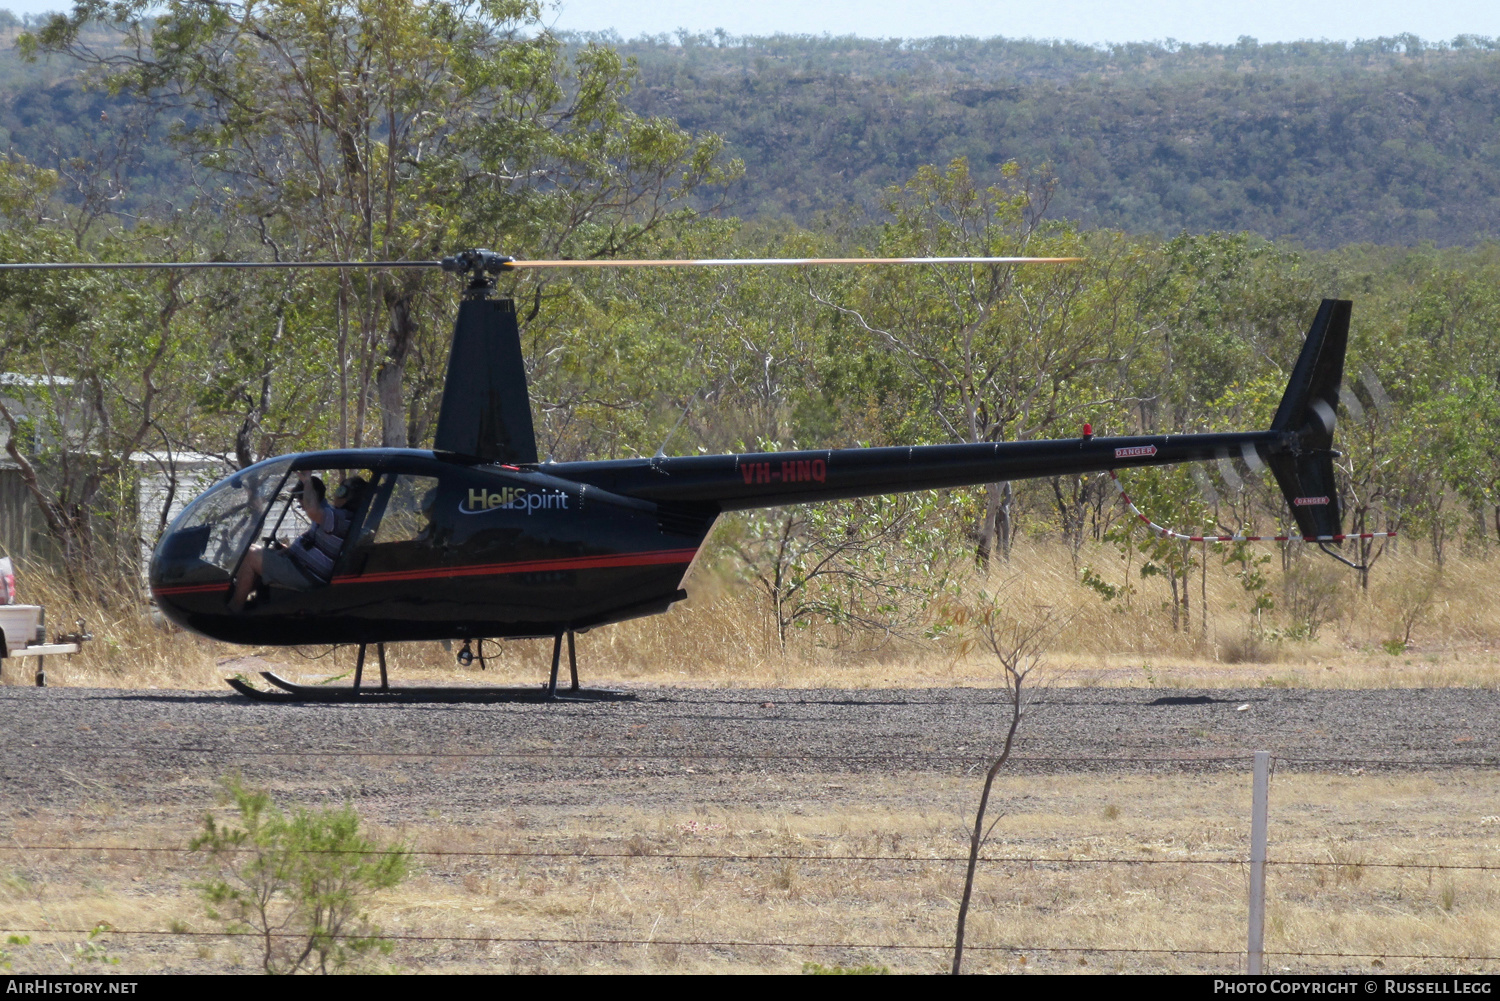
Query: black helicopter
[477, 539]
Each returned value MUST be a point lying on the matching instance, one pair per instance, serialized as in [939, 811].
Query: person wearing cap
[307, 563]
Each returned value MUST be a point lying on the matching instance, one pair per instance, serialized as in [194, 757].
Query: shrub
[297, 883]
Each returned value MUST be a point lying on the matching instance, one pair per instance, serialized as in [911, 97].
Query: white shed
[167, 483]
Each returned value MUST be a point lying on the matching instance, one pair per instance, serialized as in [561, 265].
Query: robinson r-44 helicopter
[476, 539]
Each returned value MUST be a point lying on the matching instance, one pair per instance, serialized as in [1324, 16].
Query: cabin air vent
[690, 520]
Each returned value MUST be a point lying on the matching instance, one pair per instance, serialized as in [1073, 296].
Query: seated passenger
[428, 508]
[308, 562]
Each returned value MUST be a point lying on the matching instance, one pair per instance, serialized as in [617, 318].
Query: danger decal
[1134, 451]
[1309, 501]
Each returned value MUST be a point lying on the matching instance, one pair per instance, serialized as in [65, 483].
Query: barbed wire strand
[1285, 760]
[609, 755]
[750, 944]
[727, 857]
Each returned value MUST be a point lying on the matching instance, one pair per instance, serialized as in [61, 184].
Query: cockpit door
[398, 530]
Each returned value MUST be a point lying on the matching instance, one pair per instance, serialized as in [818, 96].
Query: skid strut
[359, 667]
[556, 659]
[557, 663]
[572, 660]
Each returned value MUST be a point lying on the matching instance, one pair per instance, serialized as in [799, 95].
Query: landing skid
[292, 692]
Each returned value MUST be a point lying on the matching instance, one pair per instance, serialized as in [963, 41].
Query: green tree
[868, 567]
[95, 359]
[998, 352]
[1171, 496]
[298, 884]
[396, 129]
[1469, 453]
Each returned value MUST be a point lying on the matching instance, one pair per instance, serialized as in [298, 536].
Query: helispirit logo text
[514, 499]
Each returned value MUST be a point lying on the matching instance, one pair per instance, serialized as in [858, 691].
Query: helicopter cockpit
[209, 542]
[438, 544]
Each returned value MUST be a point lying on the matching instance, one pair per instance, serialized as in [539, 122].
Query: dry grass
[1350, 906]
[723, 637]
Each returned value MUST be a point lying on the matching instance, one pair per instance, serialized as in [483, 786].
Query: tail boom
[1298, 448]
[772, 479]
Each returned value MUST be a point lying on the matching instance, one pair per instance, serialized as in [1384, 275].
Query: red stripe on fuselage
[223, 585]
[655, 558]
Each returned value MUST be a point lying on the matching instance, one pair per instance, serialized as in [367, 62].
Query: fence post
[1260, 789]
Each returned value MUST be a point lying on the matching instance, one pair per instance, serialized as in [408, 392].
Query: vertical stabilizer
[1309, 409]
[486, 410]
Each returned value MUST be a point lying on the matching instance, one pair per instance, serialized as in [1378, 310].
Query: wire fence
[652, 855]
[183, 856]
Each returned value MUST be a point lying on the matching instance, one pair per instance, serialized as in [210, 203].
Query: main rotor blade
[719, 262]
[196, 265]
[511, 265]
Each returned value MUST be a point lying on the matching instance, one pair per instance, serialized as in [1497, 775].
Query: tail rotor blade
[1383, 405]
[1205, 485]
[1229, 473]
[1352, 404]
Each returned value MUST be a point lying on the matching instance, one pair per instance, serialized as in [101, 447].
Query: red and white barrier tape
[1167, 533]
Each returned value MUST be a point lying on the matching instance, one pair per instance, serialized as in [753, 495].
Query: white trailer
[23, 630]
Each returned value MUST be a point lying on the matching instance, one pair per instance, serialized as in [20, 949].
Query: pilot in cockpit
[307, 563]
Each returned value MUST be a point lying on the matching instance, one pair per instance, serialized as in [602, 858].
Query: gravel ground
[764, 771]
[162, 746]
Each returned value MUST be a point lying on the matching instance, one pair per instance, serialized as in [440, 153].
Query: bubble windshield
[225, 518]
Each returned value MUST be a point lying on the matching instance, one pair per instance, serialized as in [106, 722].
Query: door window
[408, 510]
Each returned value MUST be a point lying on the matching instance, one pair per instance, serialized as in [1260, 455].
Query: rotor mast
[481, 266]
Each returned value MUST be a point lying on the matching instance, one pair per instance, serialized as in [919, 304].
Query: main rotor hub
[481, 266]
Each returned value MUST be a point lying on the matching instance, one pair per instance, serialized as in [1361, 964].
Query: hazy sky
[1078, 20]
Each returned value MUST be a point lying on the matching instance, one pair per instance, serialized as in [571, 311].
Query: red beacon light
[1088, 431]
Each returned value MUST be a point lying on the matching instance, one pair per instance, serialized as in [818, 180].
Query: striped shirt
[317, 548]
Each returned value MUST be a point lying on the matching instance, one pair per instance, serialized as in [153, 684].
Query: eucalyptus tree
[998, 352]
[396, 129]
[92, 372]
[263, 386]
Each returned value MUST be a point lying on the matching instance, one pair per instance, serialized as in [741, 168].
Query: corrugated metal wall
[23, 532]
[126, 520]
